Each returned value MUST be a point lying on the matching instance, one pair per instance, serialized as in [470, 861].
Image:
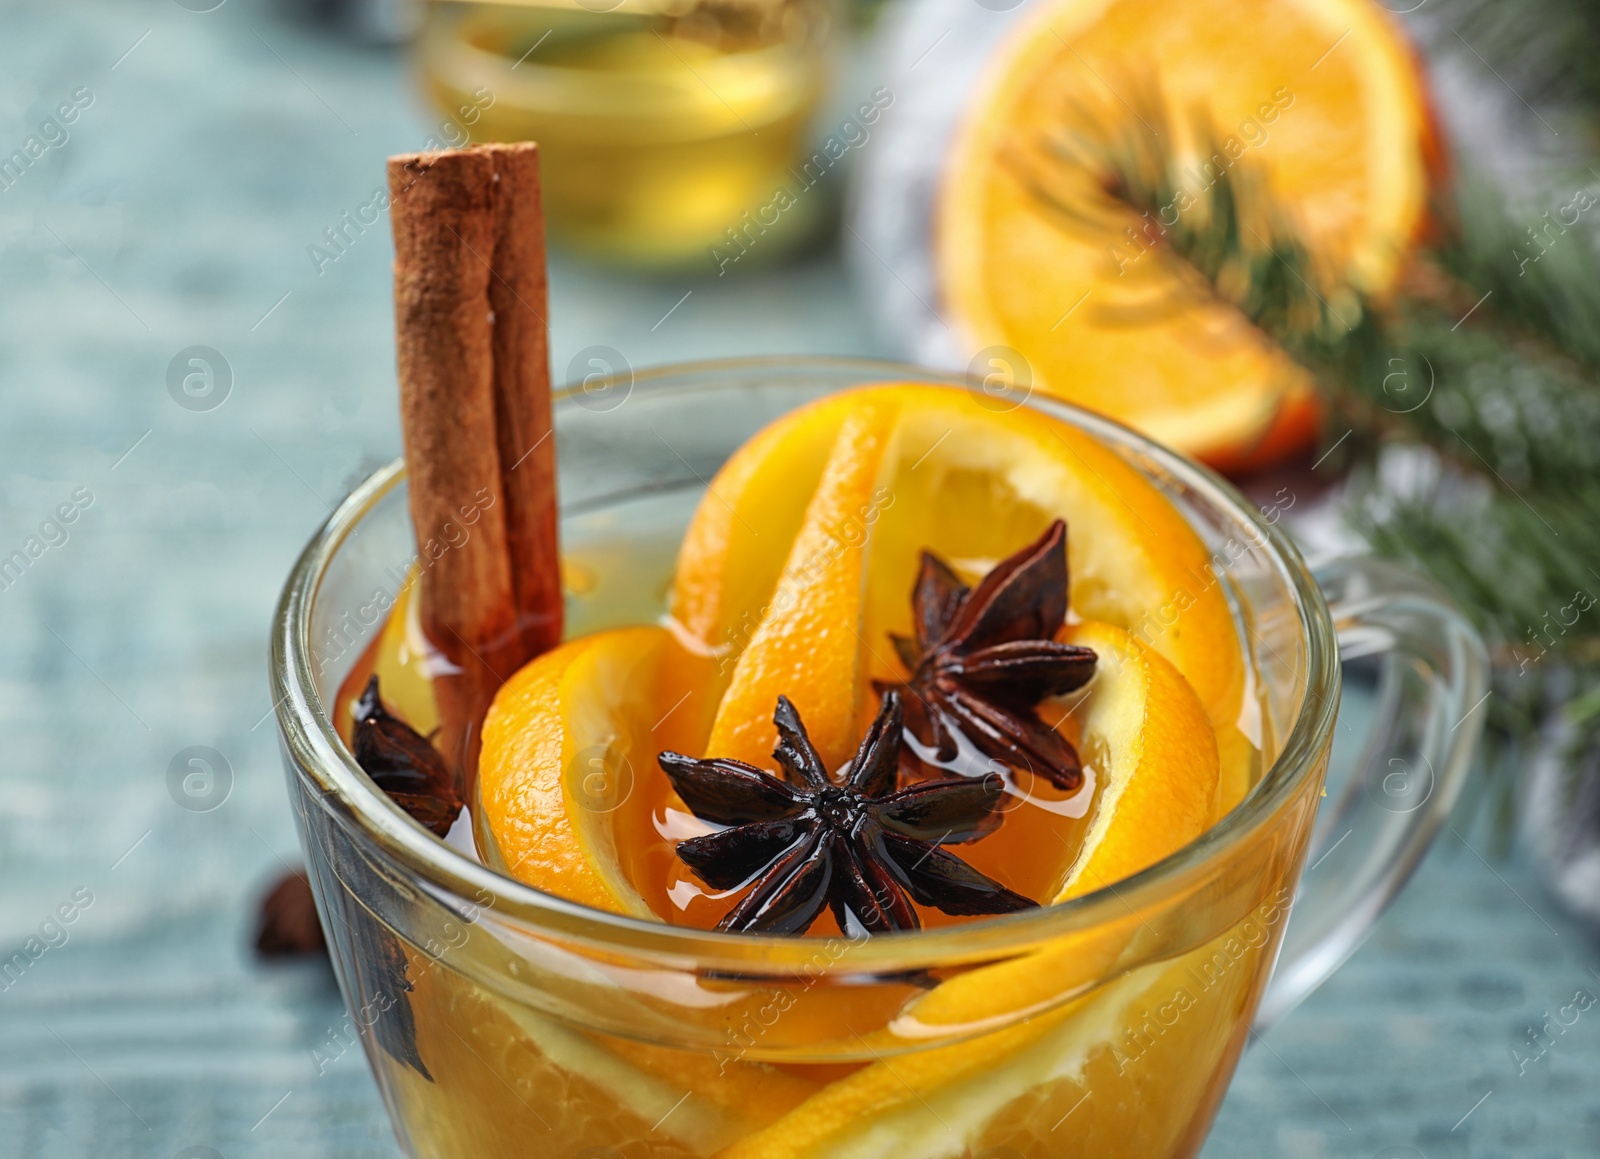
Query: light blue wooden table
[176, 210]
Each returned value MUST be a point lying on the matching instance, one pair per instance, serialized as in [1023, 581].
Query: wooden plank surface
[179, 212]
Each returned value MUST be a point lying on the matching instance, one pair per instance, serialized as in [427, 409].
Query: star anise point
[852, 843]
[985, 657]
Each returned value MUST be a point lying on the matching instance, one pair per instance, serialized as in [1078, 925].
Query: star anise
[984, 658]
[403, 763]
[850, 842]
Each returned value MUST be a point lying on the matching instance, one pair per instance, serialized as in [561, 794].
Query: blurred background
[196, 363]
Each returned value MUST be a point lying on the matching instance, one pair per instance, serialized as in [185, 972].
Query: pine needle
[1473, 391]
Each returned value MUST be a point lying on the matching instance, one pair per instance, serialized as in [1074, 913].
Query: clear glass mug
[502, 1021]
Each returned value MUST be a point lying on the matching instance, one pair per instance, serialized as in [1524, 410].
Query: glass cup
[501, 1021]
[670, 131]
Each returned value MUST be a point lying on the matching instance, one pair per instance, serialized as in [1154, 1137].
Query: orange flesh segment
[808, 642]
[734, 550]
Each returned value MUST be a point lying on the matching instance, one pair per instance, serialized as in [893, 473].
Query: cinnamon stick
[518, 297]
[470, 304]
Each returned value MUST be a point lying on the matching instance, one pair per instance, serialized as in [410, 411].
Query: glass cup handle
[1374, 827]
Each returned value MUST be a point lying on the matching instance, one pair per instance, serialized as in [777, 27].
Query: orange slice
[1323, 97]
[736, 547]
[404, 662]
[567, 741]
[1146, 736]
[495, 1065]
[973, 485]
[807, 643]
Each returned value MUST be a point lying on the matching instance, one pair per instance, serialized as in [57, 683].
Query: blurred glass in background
[662, 124]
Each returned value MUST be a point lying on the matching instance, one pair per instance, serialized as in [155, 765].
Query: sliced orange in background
[1322, 97]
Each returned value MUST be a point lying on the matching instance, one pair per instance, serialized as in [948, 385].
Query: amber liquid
[617, 571]
[1040, 833]
[662, 137]
[1082, 1056]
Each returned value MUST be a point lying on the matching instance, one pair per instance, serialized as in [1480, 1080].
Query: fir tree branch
[1545, 48]
[1503, 396]
[1529, 412]
[1517, 563]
